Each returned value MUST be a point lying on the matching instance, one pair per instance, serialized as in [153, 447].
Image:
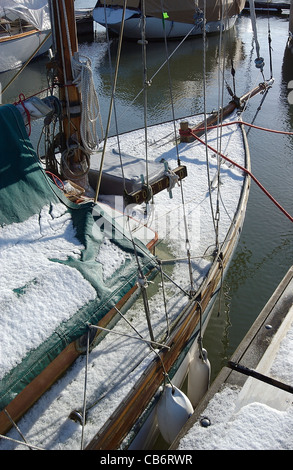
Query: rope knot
[21, 101]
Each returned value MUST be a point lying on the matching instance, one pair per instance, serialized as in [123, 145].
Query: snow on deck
[37, 294]
[116, 363]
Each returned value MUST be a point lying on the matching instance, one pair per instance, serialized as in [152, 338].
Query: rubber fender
[173, 410]
[198, 377]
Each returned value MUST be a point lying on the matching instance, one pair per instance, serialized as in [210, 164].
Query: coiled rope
[90, 112]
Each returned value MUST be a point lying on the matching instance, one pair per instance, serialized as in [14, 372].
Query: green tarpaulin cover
[37, 269]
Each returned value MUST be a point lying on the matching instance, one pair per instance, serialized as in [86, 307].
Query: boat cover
[35, 12]
[62, 264]
[182, 11]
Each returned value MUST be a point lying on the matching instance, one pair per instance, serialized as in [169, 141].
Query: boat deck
[13, 28]
[119, 364]
[269, 6]
[257, 412]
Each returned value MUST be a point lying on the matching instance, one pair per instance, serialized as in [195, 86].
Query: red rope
[247, 172]
[55, 178]
[21, 101]
[49, 88]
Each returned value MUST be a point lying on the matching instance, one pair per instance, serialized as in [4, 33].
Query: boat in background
[171, 19]
[25, 32]
[290, 36]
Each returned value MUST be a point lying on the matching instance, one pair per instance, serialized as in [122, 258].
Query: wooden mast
[65, 35]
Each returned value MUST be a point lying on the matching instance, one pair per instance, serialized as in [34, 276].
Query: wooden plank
[19, 35]
[30, 394]
[142, 195]
[38, 386]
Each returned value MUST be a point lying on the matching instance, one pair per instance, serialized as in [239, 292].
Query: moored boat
[25, 31]
[77, 262]
[169, 18]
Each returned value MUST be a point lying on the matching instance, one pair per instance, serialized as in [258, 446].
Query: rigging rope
[20, 442]
[259, 61]
[160, 68]
[17, 428]
[145, 85]
[21, 101]
[150, 343]
[245, 170]
[114, 102]
[187, 242]
[205, 112]
[26, 63]
[77, 415]
[270, 45]
[167, 61]
[139, 338]
[111, 102]
[221, 82]
[143, 284]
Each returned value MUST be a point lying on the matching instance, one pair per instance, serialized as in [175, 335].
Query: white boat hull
[16, 50]
[154, 29]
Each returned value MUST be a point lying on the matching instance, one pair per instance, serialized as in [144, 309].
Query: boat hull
[154, 29]
[149, 431]
[16, 50]
[125, 431]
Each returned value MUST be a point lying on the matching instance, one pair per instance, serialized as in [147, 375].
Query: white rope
[150, 342]
[20, 442]
[83, 79]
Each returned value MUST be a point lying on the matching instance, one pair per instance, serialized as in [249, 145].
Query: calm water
[265, 250]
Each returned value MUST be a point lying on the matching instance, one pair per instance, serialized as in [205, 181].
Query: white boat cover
[35, 12]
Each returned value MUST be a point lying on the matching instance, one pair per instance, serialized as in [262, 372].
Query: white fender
[198, 377]
[173, 410]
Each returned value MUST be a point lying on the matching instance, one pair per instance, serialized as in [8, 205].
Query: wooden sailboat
[177, 19]
[25, 32]
[87, 265]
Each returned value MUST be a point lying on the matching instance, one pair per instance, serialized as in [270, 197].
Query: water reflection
[31, 80]
[186, 72]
